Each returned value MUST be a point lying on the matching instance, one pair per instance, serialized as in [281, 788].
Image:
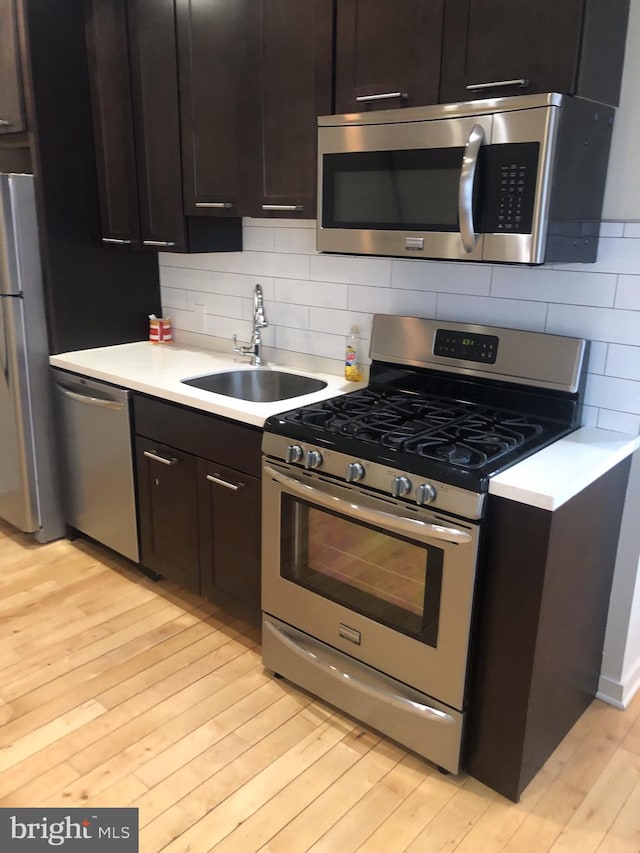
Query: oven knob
[355, 472]
[400, 486]
[294, 453]
[313, 459]
[425, 493]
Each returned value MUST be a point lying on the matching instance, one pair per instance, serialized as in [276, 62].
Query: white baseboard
[619, 693]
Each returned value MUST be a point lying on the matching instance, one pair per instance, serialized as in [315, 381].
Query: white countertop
[157, 369]
[552, 476]
[547, 479]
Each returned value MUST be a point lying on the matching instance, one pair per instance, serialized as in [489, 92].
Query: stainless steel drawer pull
[217, 204]
[215, 478]
[282, 207]
[116, 242]
[157, 243]
[472, 87]
[163, 460]
[4, 123]
[384, 96]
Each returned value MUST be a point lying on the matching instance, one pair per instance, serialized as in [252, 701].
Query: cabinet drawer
[199, 433]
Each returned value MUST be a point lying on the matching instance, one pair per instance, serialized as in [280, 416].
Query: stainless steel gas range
[373, 506]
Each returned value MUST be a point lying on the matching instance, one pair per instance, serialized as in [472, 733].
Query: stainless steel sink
[258, 386]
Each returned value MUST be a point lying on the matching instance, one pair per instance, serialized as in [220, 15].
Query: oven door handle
[465, 190]
[413, 527]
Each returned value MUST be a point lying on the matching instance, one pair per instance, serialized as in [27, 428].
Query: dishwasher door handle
[89, 400]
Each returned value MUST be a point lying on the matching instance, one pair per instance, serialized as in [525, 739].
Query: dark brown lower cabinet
[199, 520]
[168, 512]
[229, 511]
[541, 615]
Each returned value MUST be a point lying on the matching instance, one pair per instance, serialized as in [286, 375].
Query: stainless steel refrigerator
[29, 489]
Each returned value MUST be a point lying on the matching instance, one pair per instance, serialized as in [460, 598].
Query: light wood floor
[116, 691]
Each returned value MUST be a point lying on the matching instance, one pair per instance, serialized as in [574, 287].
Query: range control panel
[463, 345]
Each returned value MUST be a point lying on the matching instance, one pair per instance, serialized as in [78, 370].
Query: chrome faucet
[259, 322]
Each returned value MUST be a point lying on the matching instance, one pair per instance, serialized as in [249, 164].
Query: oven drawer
[427, 727]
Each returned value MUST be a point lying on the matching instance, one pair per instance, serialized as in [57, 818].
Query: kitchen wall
[313, 300]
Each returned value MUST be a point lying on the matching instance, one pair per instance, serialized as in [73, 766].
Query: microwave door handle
[421, 531]
[465, 193]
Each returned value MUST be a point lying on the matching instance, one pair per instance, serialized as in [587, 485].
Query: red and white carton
[160, 331]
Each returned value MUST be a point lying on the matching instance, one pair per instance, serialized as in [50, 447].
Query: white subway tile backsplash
[441, 277]
[612, 229]
[598, 324]
[295, 240]
[554, 285]
[341, 322]
[391, 301]
[618, 421]
[597, 357]
[607, 392]
[318, 343]
[217, 303]
[589, 416]
[312, 300]
[319, 293]
[374, 272]
[258, 239]
[511, 313]
[172, 297]
[628, 293]
[624, 362]
[283, 314]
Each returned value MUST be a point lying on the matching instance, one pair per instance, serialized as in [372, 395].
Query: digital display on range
[463, 345]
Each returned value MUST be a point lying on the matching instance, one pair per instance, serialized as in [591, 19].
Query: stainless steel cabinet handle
[473, 87]
[384, 96]
[419, 530]
[215, 478]
[282, 207]
[116, 242]
[216, 204]
[157, 243]
[156, 458]
[4, 123]
[465, 191]
[91, 401]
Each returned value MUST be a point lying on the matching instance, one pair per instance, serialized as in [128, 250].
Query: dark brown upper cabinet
[12, 118]
[291, 79]
[215, 113]
[387, 53]
[494, 48]
[132, 59]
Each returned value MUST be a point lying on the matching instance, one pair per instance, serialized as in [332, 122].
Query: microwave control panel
[512, 172]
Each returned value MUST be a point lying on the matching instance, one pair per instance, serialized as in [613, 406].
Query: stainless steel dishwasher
[96, 461]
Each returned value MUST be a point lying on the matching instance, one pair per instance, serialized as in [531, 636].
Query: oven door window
[388, 578]
[393, 190]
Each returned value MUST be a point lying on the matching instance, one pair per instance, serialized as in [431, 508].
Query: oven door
[386, 583]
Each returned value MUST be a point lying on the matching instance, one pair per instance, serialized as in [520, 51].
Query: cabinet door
[230, 532]
[505, 41]
[168, 512]
[293, 67]
[212, 48]
[154, 80]
[110, 82]
[387, 51]
[11, 107]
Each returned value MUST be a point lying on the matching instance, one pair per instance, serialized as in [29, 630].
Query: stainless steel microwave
[513, 180]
